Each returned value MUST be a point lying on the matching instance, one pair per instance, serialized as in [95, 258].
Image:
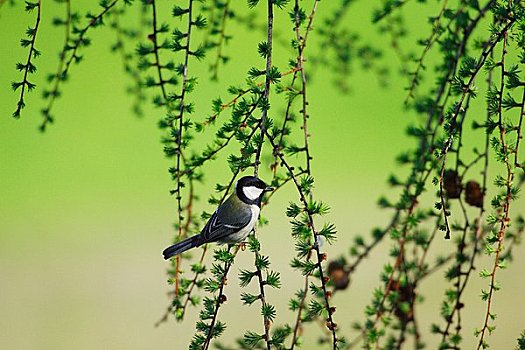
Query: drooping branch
[71, 54]
[28, 67]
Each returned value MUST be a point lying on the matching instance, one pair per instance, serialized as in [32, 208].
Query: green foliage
[76, 38]
[28, 67]
[521, 342]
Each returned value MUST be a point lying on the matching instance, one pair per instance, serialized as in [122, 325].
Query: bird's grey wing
[229, 218]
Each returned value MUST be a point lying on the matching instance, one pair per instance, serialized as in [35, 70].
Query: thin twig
[77, 43]
[320, 256]
[29, 67]
[218, 301]
[266, 92]
[505, 219]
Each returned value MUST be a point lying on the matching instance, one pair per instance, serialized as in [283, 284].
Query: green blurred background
[85, 210]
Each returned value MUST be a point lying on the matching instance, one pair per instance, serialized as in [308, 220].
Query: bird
[233, 220]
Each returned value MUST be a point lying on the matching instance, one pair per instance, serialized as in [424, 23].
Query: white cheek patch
[252, 192]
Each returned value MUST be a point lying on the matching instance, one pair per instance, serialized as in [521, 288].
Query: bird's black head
[250, 189]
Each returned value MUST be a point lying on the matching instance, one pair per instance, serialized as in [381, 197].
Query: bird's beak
[269, 189]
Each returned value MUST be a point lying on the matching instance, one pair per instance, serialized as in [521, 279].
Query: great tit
[233, 220]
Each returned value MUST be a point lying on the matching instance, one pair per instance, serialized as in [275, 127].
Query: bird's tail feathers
[181, 246]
